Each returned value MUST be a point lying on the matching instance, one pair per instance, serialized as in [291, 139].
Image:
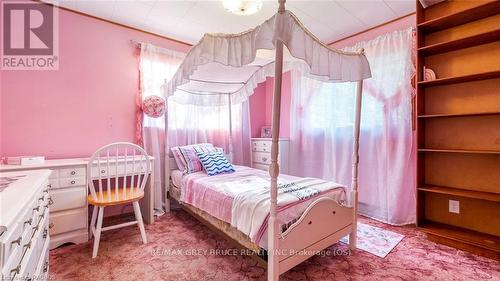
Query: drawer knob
[73, 173]
[51, 225]
[17, 241]
[264, 159]
[28, 221]
[16, 269]
[72, 182]
[103, 171]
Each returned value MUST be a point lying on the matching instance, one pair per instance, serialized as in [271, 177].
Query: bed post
[230, 128]
[167, 160]
[273, 271]
[355, 163]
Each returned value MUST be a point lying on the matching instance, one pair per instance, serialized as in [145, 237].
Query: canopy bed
[224, 69]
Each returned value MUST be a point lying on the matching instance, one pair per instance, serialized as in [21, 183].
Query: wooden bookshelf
[459, 114]
[495, 197]
[461, 79]
[458, 151]
[457, 124]
[465, 42]
[483, 10]
[462, 235]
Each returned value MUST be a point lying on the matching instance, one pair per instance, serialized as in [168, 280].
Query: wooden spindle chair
[123, 170]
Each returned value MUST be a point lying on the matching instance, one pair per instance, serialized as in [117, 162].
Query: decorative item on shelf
[429, 74]
[153, 106]
[266, 132]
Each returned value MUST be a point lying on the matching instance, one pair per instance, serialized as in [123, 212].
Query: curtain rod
[166, 51]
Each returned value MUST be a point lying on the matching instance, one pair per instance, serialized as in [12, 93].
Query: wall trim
[371, 28]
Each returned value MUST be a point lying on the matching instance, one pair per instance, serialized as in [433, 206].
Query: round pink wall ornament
[153, 106]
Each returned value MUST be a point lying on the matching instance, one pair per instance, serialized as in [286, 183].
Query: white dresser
[68, 191]
[24, 225]
[261, 154]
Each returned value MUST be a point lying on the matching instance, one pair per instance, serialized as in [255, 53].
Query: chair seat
[122, 198]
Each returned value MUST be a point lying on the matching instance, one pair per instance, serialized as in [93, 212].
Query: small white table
[69, 190]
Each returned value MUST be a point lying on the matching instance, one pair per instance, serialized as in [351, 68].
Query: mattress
[224, 227]
[215, 195]
[177, 176]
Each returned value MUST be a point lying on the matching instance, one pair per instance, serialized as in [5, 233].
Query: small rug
[374, 240]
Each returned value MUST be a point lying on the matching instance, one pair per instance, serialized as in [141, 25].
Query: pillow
[215, 163]
[189, 156]
[179, 160]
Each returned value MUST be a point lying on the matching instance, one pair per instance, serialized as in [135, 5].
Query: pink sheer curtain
[155, 66]
[322, 123]
[191, 124]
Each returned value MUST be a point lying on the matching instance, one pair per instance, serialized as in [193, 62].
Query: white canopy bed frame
[225, 69]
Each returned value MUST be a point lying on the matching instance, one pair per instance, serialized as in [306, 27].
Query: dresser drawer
[72, 172]
[33, 253]
[13, 242]
[260, 166]
[261, 157]
[53, 183]
[262, 146]
[54, 174]
[65, 221]
[42, 269]
[69, 182]
[12, 265]
[68, 198]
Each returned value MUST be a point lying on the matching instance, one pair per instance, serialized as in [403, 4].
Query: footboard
[323, 223]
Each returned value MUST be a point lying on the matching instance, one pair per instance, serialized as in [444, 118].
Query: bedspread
[216, 196]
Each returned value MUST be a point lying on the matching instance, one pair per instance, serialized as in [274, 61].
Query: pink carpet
[180, 248]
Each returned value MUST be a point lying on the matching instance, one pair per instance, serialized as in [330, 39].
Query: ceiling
[187, 21]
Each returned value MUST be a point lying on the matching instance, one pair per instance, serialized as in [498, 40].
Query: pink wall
[261, 104]
[258, 110]
[88, 102]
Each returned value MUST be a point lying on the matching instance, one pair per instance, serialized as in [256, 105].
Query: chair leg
[138, 217]
[93, 221]
[97, 235]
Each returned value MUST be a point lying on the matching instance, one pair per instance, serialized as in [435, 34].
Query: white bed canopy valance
[222, 65]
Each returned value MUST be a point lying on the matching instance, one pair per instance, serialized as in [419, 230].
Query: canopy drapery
[224, 69]
[233, 64]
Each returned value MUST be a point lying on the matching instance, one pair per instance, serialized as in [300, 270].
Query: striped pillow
[188, 158]
[215, 163]
[176, 152]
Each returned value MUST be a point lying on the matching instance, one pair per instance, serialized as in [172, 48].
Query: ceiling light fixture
[242, 7]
